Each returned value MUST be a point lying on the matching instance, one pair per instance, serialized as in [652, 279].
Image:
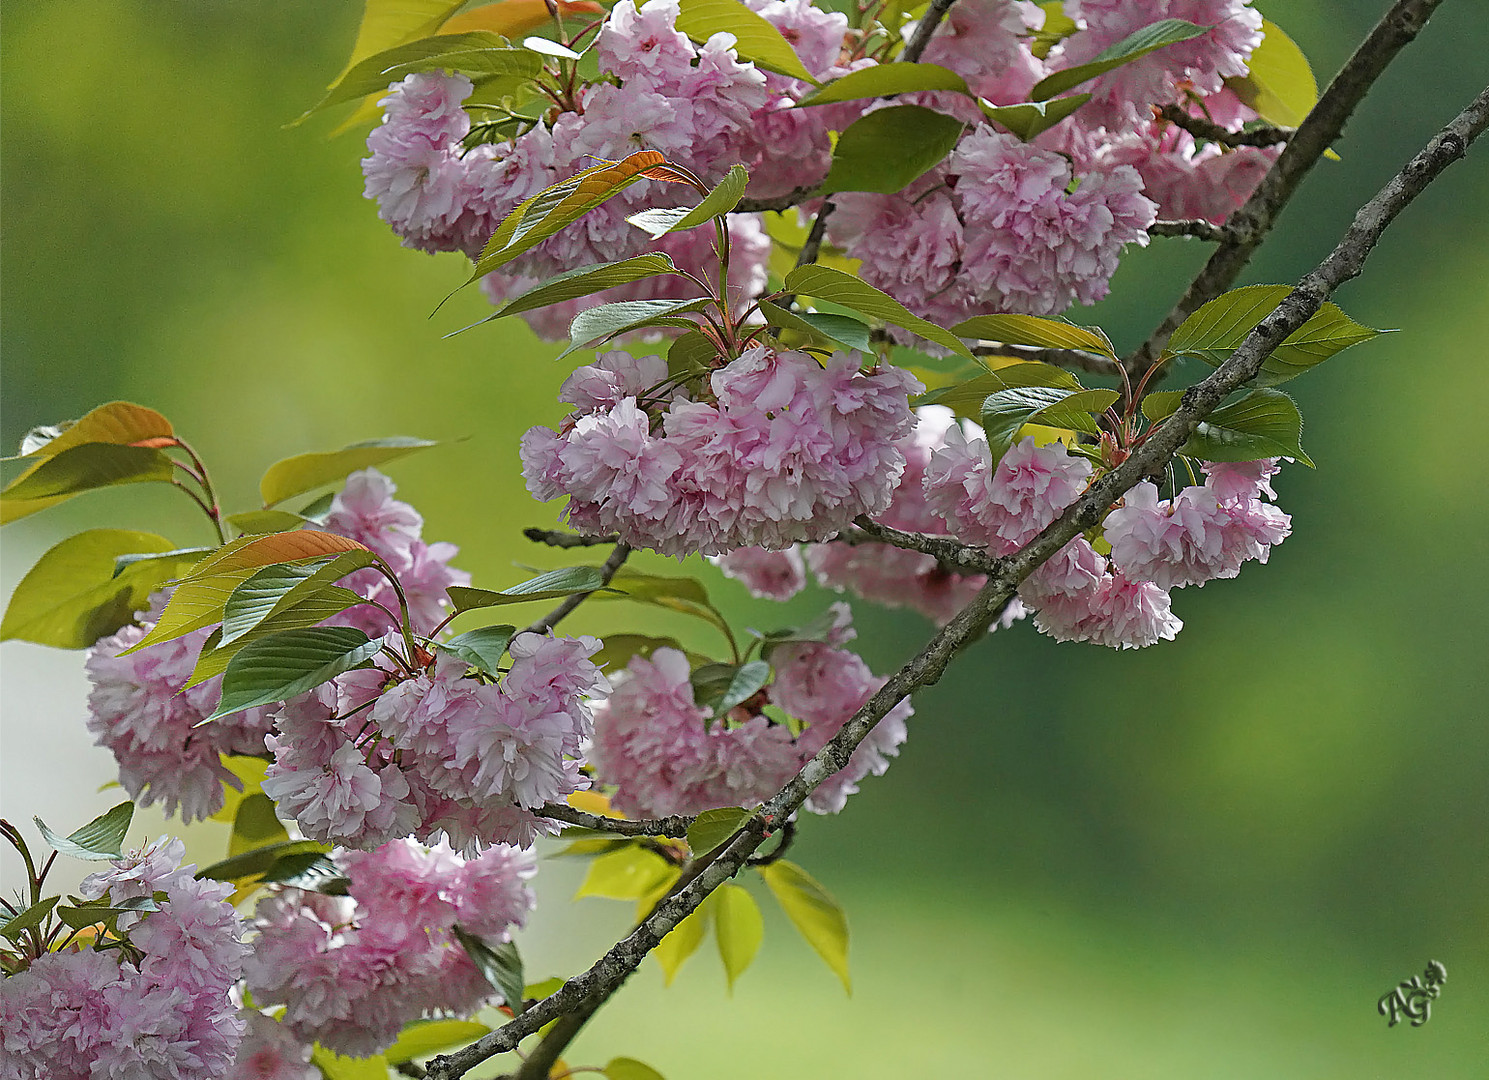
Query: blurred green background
[1205, 859]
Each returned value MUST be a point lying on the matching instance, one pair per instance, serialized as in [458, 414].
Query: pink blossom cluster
[664, 754]
[352, 970]
[440, 753]
[138, 710]
[1003, 225]
[775, 448]
[107, 1015]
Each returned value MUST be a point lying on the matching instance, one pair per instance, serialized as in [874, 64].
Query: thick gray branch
[1250, 224]
[583, 991]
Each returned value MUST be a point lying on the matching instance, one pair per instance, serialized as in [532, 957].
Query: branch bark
[561, 539]
[1250, 224]
[1199, 230]
[1201, 128]
[677, 825]
[954, 557]
[585, 991]
[607, 571]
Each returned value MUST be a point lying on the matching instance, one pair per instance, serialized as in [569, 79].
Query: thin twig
[560, 539]
[787, 835]
[795, 197]
[607, 571]
[677, 825]
[1201, 128]
[1191, 227]
[1321, 128]
[586, 990]
[924, 29]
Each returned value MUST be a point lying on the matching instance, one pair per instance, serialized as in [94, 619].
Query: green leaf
[966, 398]
[1279, 84]
[813, 912]
[624, 1068]
[1057, 27]
[548, 586]
[307, 870]
[100, 839]
[500, 964]
[335, 1067]
[89, 914]
[72, 597]
[691, 353]
[424, 1037]
[885, 80]
[627, 874]
[559, 206]
[1138, 43]
[738, 928]
[723, 198]
[683, 594]
[290, 662]
[1218, 328]
[306, 472]
[1033, 330]
[755, 39]
[257, 522]
[1006, 411]
[819, 325]
[585, 281]
[1030, 118]
[720, 687]
[1160, 404]
[255, 825]
[712, 827]
[200, 597]
[481, 648]
[477, 53]
[32, 917]
[609, 320]
[82, 468]
[256, 862]
[275, 589]
[682, 941]
[888, 148]
[1263, 424]
[249, 772]
[837, 287]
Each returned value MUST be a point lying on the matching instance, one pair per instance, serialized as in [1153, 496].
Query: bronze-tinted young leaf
[306, 472]
[819, 326]
[481, 648]
[121, 423]
[547, 586]
[1218, 328]
[102, 838]
[1263, 424]
[79, 469]
[885, 80]
[837, 287]
[738, 927]
[597, 324]
[813, 912]
[755, 39]
[1279, 83]
[886, 149]
[280, 666]
[559, 206]
[723, 198]
[1138, 43]
[1030, 118]
[72, 596]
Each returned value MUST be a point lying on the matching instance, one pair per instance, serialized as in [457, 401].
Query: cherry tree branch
[924, 29]
[1201, 128]
[1249, 225]
[1072, 359]
[560, 539]
[676, 825]
[954, 557]
[1199, 230]
[584, 992]
[607, 571]
[795, 197]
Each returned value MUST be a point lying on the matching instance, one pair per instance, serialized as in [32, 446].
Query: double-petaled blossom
[665, 754]
[351, 971]
[159, 1010]
[783, 448]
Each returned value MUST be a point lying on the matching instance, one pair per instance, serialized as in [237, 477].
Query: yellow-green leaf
[255, 825]
[885, 80]
[738, 927]
[712, 827]
[813, 912]
[424, 1037]
[887, 149]
[681, 942]
[1036, 331]
[840, 288]
[624, 1068]
[79, 469]
[306, 472]
[335, 1067]
[1279, 84]
[72, 597]
[250, 773]
[627, 874]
